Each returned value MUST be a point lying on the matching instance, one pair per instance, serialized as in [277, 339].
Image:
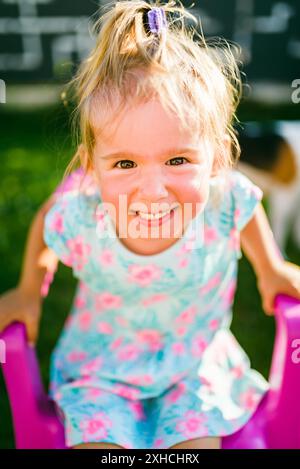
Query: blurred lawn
[35, 148]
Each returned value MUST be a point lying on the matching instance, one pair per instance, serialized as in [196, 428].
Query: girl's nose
[152, 185]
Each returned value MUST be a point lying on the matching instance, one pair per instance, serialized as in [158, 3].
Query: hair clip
[157, 20]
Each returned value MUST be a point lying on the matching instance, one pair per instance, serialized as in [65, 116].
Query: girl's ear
[87, 163]
[221, 158]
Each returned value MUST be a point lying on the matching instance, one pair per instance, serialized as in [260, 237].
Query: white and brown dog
[270, 157]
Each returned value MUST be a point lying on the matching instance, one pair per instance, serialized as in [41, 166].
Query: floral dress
[146, 358]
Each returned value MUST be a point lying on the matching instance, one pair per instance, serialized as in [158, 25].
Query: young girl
[151, 224]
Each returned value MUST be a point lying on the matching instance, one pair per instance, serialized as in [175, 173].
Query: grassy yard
[35, 148]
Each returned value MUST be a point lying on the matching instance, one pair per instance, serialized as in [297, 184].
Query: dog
[270, 157]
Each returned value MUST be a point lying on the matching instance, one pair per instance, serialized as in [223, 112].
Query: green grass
[35, 148]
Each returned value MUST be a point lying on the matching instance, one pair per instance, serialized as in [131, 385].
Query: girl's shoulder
[77, 195]
[71, 218]
[232, 200]
[78, 185]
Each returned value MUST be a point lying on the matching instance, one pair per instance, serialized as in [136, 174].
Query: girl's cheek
[194, 184]
[112, 186]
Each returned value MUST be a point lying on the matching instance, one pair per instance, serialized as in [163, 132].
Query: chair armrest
[283, 400]
[21, 369]
[275, 423]
[34, 416]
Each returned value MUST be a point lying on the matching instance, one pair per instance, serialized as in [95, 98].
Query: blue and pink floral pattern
[146, 358]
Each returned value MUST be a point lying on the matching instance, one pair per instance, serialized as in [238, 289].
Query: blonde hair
[198, 80]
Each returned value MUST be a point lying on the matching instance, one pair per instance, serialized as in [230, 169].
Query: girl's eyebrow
[172, 151]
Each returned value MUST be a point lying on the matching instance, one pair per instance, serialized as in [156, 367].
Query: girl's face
[150, 167]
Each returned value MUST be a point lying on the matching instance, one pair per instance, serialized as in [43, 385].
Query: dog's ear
[285, 167]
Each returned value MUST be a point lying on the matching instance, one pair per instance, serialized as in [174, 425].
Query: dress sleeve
[245, 197]
[58, 229]
[64, 223]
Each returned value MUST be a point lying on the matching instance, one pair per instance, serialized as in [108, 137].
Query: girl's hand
[284, 278]
[18, 305]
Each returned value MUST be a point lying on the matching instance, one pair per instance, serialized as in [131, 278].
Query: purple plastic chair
[275, 424]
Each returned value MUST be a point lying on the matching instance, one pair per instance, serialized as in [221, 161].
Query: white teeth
[153, 216]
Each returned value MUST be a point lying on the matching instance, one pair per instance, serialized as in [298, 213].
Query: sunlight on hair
[197, 79]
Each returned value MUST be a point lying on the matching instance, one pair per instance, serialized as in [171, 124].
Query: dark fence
[43, 39]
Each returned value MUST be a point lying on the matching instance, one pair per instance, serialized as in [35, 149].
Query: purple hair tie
[157, 20]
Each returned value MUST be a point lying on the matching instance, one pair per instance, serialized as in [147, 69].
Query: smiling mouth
[155, 219]
[153, 216]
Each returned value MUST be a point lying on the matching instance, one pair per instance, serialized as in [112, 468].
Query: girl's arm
[38, 258]
[23, 303]
[274, 274]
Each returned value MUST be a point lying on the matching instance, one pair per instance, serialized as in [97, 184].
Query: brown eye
[124, 164]
[178, 161]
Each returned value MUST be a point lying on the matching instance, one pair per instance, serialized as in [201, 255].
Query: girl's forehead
[142, 125]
